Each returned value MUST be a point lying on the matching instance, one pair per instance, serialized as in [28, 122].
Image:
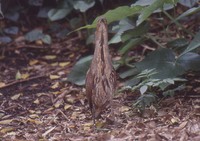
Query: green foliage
[78, 72]
[161, 68]
[144, 101]
[37, 34]
[116, 14]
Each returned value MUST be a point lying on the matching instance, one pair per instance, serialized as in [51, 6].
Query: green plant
[150, 87]
[162, 66]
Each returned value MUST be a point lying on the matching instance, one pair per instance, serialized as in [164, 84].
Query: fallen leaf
[182, 125]
[71, 55]
[39, 42]
[87, 126]
[67, 106]
[58, 103]
[34, 121]
[4, 122]
[2, 84]
[56, 85]
[48, 131]
[15, 97]
[70, 99]
[52, 77]
[33, 62]
[63, 64]
[124, 109]
[54, 64]
[18, 75]
[75, 115]
[25, 76]
[50, 57]
[31, 111]
[100, 124]
[33, 116]
[36, 101]
[56, 93]
[6, 130]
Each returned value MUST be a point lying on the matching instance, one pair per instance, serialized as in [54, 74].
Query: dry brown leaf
[33, 62]
[182, 125]
[63, 64]
[124, 109]
[36, 101]
[58, 103]
[4, 122]
[100, 124]
[75, 115]
[48, 131]
[52, 77]
[87, 126]
[71, 55]
[70, 99]
[50, 57]
[33, 116]
[39, 42]
[31, 111]
[34, 121]
[15, 97]
[2, 84]
[55, 85]
[25, 76]
[67, 106]
[54, 64]
[6, 130]
[56, 93]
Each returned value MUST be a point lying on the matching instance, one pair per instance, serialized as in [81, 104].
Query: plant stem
[154, 40]
[177, 23]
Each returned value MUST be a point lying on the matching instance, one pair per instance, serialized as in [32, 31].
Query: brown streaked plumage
[101, 76]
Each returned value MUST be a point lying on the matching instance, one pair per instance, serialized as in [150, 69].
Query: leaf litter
[48, 108]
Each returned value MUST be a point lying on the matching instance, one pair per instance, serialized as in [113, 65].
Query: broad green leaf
[167, 6]
[127, 73]
[163, 60]
[35, 2]
[78, 72]
[149, 10]
[143, 2]
[143, 89]
[178, 43]
[83, 5]
[189, 12]
[5, 39]
[195, 43]
[144, 101]
[124, 25]
[188, 3]
[13, 15]
[130, 44]
[57, 14]
[190, 61]
[46, 39]
[132, 82]
[43, 12]
[116, 15]
[136, 32]
[11, 30]
[34, 35]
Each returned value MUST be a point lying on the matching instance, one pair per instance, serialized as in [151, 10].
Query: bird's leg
[93, 116]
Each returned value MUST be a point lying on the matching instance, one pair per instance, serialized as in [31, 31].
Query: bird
[101, 76]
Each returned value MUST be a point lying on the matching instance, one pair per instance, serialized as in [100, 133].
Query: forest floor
[38, 104]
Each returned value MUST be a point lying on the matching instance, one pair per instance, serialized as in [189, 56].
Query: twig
[31, 78]
[21, 81]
